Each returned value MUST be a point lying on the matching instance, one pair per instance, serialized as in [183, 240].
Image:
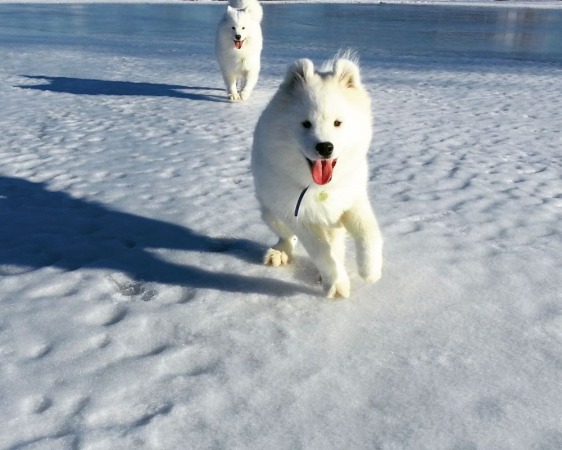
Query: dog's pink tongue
[238, 44]
[322, 170]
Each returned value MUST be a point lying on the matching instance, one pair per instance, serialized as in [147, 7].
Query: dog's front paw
[341, 288]
[275, 258]
[234, 96]
[371, 269]
[371, 277]
[245, 95]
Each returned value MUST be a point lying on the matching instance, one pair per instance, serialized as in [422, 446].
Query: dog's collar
[321, 197]
[298, 205]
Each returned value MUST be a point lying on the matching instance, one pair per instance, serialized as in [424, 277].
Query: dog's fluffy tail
[252, 7]
[348, 54]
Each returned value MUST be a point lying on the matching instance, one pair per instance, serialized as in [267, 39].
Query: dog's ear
[347, 73]
[231, 11]
[299, 73]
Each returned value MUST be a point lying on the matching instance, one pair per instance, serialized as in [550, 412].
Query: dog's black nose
[325, 149]
[238, 37]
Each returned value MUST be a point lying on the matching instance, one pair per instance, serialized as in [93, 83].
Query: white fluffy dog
[309, 162]
[238, 49]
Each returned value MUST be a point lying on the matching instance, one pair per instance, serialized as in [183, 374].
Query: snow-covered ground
[493, 3]
[134, 311]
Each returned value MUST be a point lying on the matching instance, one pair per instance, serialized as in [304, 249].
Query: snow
[134, 311]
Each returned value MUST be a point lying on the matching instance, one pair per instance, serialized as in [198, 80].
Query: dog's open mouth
[238, 44]
[322, 169]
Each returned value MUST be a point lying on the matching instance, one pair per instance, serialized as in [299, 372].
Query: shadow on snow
[83, 86]
[41, 228]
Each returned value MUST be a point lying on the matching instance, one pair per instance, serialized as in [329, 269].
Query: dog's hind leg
[231, 87]
[362, 225]
[326, 248]
[250, 81]
[282, 252]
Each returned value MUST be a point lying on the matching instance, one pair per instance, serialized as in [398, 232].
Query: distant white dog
[253, 7]
[309, 162]
[238, 50]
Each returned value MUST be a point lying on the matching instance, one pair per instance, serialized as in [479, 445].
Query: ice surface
[134, 311]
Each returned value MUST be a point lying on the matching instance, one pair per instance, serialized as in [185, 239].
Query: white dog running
[238, 49]
[309, 162]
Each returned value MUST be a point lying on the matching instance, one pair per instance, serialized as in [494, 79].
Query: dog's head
[237, 24]
[331, 111]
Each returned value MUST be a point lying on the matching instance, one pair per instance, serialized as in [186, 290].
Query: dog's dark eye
[233, 28]
[337, 123]
[307, 124]
[243, 28]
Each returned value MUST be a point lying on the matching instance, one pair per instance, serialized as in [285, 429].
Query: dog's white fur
[240, 67]
[251, 6]
[335, 108]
